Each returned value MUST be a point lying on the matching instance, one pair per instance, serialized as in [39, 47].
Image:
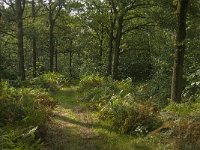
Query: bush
[192, 90]
[130, 117]
[187, 134]
[116, 103]
[100, 89]
[184, 110]
[185, 124]
[23, 111]
[51, 81]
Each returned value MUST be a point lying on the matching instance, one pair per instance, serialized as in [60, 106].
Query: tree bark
[20, 4]
[117, 48]
[1, 62]
[34, 42]
[51, 41]
[70, 58]
[56, 59]
[177, 77]
[110, 53]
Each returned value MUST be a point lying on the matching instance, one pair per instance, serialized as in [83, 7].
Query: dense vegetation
[134, 64]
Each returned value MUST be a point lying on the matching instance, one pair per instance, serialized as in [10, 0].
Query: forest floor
[74, 127]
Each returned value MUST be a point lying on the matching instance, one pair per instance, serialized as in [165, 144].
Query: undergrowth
[117, 102]
[23, 114]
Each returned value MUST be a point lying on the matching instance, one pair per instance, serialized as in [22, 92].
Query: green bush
[130, 117]
[16, 138]
[23, 111]
[51, 81]
[100, 89]
[115, 102]
[185, 124]
[187, 109]
[192, 90]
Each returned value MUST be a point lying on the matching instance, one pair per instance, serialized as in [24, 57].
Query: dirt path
[72, 126]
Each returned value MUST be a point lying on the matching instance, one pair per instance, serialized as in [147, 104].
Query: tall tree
[34, 43]
[111, 40]
[20, 6]
[122, 13]
[53, 8]
[177, 77]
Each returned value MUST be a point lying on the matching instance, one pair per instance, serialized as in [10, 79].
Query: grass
[75, 127]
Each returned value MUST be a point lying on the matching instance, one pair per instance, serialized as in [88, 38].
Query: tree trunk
[117, 49]
[19, 19]
[1, 62]
[70, 58]
[101, 49]
[51, 41]
[177, 77]
[34, 43]
[110, 53]
[56, 59]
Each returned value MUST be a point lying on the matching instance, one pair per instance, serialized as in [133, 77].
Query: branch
[139, 27]
[113, 6]
[4, 32]
[23, 5]
[10, 3]
[134, 17]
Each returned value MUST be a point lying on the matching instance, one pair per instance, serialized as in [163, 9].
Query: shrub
[130, 117]
[116, 103]
[16, 138]
[192, 90]
[187, 134]
[184, 110]
[51, 81]
[23, 111]
[185, 124]
[99, 89]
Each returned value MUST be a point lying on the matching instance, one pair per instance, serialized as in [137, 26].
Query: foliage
[130, 117]
[186, 134]
[23, 112]
[192, 90]
[115, 102]
[188, 109]
[98, 89]
[51, 81]
[185, 124]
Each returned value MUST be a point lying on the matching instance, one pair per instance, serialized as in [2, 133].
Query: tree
[177, 77]
[20, 6]
[34, 43]
[111, 40]
[124, 13]
[53, 8]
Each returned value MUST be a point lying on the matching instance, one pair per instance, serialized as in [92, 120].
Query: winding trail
[73, 126]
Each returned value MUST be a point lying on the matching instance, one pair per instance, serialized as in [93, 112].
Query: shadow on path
[83, 124]
[72, 126]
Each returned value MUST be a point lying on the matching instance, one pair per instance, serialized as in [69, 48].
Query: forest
[99, 74]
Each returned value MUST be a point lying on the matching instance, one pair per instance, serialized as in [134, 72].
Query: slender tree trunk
[1, 62]
[70, 59]
[56, 59]
[117, 49]
[70, 63]
[101, 49]
[177, 77]
[100, 54]
[34, 57]
[101, 37]
[51, 41]
[19, 19]
[110, 53]
[34, 43]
